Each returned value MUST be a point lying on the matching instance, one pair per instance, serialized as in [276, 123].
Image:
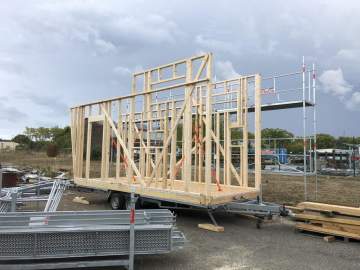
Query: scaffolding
[10, 198]
[298, 90]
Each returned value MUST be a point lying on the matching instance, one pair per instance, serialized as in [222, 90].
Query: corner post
[257, 131]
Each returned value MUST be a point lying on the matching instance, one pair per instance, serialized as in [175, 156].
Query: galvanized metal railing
[11, 197]
[40, 235]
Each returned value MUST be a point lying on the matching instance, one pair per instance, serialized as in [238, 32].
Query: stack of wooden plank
[328, 219]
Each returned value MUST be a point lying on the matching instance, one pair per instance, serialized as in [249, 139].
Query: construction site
[166, 154]
[183, 179]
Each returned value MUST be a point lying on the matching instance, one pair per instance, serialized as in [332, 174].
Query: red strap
[125, 161]
[179, 166]
[113, 143]
[132, 216]
[213, 173]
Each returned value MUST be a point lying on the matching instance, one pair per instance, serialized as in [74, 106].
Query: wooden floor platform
[176, 193]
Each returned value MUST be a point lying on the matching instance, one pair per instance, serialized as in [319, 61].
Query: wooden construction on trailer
[171, 138]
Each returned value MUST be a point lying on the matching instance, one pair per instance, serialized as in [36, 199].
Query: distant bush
[52, 150]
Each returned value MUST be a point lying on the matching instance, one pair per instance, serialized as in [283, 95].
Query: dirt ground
[36, 160]
[283, 189]
[276, 246]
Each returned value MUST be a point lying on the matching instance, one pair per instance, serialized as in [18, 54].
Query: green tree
[38, 134]
[345, 142]
[325, 141]
[41, 137]
[295, 146]
[22, 139]
[62, 137]
[276, 133]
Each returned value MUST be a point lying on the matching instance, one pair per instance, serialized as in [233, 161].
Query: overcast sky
[55, 54]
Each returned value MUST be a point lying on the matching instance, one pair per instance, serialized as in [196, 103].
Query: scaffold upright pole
[315, 128]
[304, 127]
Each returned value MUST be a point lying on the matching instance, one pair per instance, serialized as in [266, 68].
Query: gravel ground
[241, 246]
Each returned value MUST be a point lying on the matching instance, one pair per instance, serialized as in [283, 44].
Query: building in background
[7, 145]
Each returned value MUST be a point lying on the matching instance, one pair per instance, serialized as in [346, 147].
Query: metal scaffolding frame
[307, 99]
[11, 197]
[73, 237]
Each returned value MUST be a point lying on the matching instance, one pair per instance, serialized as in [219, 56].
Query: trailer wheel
[117, 201]
[127, 204]
[259, 222]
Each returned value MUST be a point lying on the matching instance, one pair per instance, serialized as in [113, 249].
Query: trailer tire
[117, 201]
[138, 204]
[259, 223]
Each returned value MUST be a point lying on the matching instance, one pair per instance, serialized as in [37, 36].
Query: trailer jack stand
[212, 226]
[213, 220]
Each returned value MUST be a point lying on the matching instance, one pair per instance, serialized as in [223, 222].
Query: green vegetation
[39, 139]
[296, 146]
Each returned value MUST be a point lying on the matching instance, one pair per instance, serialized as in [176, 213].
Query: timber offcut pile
[328, 219]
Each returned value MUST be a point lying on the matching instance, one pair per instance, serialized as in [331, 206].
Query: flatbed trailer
[227, 194]
[171, 139]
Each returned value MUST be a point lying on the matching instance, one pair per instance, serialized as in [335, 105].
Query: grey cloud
[104, 30]
[353, 103]
[104, 46]
[349, 54]
[215, 44]
[51, 103]
[87, 50]
[123, 71]
[11, 114]
[334, 83]
[226, 70]
[11, 66]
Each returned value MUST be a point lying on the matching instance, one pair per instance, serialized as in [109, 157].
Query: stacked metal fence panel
[84, 234]
[11, 197]
[57, 190]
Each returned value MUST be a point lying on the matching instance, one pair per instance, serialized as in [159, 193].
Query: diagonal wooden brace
[123, 145]
[216, 140]
[144, 145]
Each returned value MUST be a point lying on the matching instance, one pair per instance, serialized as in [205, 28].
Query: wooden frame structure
[171, 138]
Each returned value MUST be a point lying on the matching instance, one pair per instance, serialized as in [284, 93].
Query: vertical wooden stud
[217, 130]
[187, 129]
[173, 145]
[257, 131]
[208, 141]
[88, 150]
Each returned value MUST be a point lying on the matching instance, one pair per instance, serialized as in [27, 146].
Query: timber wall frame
[180, 125]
